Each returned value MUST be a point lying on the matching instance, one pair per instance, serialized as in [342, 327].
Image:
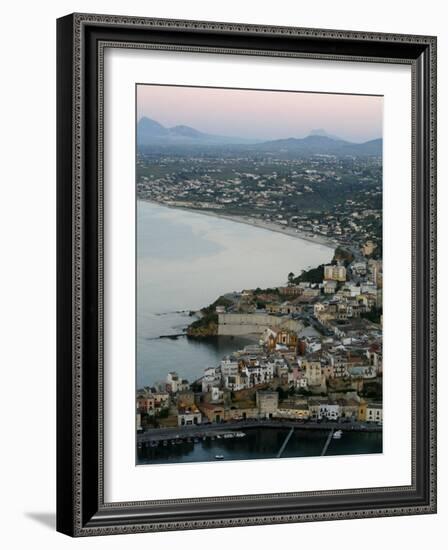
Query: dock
[283, 447]
[327, 443]
[209, 430]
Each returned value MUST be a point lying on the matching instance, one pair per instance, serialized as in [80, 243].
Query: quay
[200, 431]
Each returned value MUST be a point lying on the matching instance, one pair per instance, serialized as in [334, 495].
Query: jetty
[283, 447]
[327, 442]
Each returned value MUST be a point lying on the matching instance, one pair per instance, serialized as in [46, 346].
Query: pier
[283, 447]
[327, 443]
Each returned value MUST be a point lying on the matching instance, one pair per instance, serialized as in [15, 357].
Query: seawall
[239, 324]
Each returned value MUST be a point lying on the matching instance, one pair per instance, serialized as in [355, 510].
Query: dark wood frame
[81, 510]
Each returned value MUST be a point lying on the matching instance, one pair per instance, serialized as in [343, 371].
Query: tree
[291, 278]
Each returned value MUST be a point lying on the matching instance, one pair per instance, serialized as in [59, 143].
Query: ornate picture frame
[81, 506]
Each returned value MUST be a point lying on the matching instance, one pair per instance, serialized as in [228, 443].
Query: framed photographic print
[246, 274]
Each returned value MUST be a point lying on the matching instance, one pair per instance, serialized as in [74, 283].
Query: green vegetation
[314, 275]
[207, 325]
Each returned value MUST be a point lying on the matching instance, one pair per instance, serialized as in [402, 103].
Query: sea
[185, 261]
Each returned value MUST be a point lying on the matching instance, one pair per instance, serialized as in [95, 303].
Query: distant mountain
[150, 132]
[322, 132]
[150, 129]
[321, 144]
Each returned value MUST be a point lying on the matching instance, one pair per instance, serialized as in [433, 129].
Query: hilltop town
[316, 353]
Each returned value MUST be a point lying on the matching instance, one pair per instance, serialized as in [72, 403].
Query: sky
[262, 114]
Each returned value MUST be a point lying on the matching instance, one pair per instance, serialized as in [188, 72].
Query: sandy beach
[255, 222]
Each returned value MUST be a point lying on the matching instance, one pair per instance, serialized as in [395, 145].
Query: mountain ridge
[152, 133]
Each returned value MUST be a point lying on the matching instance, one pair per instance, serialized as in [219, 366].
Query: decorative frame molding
[81, 42]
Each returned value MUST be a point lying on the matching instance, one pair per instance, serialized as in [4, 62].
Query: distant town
[337, 199]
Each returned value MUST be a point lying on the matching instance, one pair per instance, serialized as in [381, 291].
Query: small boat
[228, 436]
[219, 457]
[337, 434]
[240, 434]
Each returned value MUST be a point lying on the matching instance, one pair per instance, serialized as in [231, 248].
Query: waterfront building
[329, 411]
[374, 412]
[314, 405]
[349, 407]
[267, 403]
[213, 412]
[188, 416]
[293, 411]
[362, 410]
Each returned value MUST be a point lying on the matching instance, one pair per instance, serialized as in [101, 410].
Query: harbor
[240, 440]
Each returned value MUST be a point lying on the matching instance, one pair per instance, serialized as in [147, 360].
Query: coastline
[253, 222]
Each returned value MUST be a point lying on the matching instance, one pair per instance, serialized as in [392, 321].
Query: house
[188, 416]
[210, 379]
[374, 412]
[314, 405]
[329, 411]
[173, 382]
[213, 412]
[313, 372]
[293, 411]
[349, 407]
[329, 286]
[362, 410]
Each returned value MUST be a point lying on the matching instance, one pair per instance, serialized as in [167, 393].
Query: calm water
[264, 443]
[185, 260]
